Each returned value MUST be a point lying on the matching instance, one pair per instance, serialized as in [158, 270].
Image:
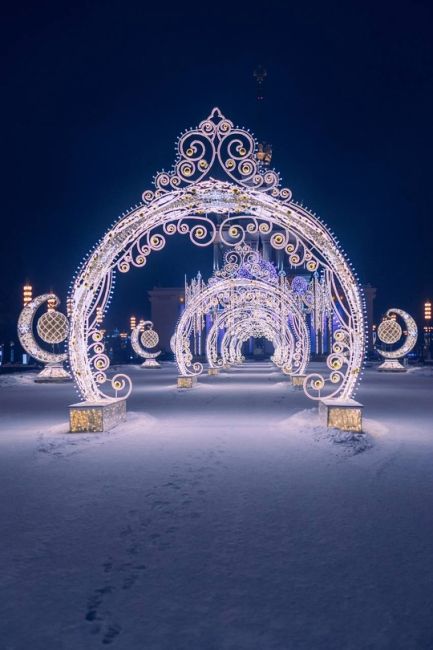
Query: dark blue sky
[94, 95]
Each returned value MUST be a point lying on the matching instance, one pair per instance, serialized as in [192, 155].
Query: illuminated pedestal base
[298, 381]
[91, 417]
[212, 371]
[151, 363]
[341, 414]
[391, 365]
[186, 381]
[53, 373]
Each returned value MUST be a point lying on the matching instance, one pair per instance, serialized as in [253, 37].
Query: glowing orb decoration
[299, 285]
[52, 327]
[149, 338]
[389, 331]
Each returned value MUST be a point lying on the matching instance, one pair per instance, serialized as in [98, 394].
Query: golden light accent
[340, 416]
[186, 382]
[52, 326]
[132, 322]
[298, 380]
[27, 294]
[389, 331]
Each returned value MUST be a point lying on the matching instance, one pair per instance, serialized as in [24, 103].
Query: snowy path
[222, 518]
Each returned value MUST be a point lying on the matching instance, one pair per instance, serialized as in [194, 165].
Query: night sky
[95, 94]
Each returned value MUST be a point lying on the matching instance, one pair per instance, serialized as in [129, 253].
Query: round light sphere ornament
[389, 331]
[149, 338]
[52, 327]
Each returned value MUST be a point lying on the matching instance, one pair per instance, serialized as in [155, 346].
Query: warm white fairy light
[27, 294]
[188, 201]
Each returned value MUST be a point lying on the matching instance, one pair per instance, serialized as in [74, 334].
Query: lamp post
[428, 329]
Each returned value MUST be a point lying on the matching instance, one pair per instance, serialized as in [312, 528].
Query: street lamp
[27, 294]
[428, 329]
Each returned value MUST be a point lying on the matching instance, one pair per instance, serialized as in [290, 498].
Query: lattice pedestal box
[212, 372]
[298, 381]
[186, 381]
[341, 414]
[91, 417]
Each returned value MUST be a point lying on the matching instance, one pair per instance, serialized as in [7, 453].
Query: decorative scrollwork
[217, 140]
[190, 202]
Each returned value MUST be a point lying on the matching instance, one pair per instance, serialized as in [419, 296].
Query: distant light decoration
[27, 294]
[390, 332]
[149, 338]
[144, 337]
[52, 328]
[299, 285]
[246, 298]
[100, 315]
[190, 202]
[132, 322]
[427, 310]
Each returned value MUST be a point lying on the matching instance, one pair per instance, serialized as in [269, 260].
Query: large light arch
[189, 201]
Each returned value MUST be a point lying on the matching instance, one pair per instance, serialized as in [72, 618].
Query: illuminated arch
[190, 201]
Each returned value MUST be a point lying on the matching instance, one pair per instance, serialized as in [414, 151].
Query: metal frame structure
[191, 201]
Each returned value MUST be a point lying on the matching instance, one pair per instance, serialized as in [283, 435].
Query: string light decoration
[248, 290]
[390, 332]
[27, 294]
[132, 323]
[190, 202]
[143, 337]
[240, 325]
[52, 328]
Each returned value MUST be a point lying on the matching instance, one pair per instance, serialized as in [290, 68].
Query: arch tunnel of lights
[218, 190]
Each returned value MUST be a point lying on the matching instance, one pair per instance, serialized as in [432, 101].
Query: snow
[221, 518]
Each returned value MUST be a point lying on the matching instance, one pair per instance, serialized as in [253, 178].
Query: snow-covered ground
[221, 518]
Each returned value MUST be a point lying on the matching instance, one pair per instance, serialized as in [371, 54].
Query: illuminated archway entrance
[189, 201]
